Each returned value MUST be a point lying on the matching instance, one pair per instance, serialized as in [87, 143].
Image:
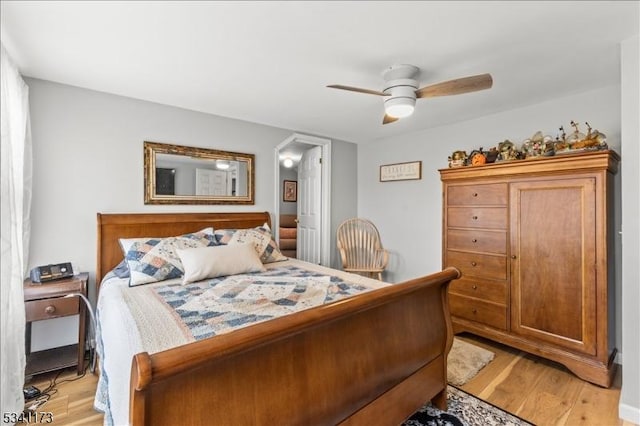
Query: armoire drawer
[491, 291]
[477, 217]
[478, 241]
[477, 310]
[478, 194]
[478, 265]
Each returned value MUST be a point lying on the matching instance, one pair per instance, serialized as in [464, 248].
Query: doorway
[294, 148]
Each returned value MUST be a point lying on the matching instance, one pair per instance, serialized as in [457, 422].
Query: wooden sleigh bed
[374, 358]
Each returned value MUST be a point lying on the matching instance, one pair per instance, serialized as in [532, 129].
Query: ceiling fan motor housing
[400, 85]
[402, 99]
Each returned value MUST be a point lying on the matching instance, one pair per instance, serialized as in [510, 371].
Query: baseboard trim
[629, 413]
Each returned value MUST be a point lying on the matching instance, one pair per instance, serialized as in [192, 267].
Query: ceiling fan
[401, 89]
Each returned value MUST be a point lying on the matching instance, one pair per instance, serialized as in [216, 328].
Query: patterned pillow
[156, 259]
[260, 237]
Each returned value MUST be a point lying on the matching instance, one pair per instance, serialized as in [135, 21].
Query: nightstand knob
[473, 264]
[50, 309]
[475, 194]
[474, 310]
[475, 240]
[474, 217]
[475, 287]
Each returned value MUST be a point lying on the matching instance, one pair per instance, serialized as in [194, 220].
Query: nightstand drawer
[51, 308]
[477, 217]
[483, 194]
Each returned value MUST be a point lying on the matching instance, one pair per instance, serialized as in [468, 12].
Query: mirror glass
[177, 174]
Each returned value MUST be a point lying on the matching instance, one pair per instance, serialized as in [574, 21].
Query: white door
[211, 182]
[309, 206]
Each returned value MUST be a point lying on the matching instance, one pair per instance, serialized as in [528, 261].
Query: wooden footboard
[374, 358]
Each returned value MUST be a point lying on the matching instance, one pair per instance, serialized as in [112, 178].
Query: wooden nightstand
[46, 301]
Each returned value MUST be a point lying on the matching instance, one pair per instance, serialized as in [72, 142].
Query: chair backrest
[359, 244]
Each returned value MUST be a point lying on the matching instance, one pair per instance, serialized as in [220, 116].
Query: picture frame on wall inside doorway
[290, 191]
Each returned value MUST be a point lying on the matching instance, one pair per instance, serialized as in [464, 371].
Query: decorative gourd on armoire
[533, 240]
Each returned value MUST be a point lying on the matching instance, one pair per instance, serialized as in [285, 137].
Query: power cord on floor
[45, 394]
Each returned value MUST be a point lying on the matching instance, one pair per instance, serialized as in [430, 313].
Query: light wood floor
[537, 390]
[542, 392]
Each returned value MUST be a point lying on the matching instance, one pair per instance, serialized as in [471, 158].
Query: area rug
[464, 410]
[465, 361]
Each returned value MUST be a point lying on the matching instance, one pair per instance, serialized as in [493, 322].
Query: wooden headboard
[113, 226]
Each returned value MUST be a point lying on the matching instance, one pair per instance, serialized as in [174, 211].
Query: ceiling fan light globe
[288, 162]
[400, 111]
[399, 107]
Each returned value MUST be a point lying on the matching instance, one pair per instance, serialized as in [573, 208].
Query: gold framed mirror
[175, 174]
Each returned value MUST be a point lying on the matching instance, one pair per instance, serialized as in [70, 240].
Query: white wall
[88, 158]
[344, 187]
[409, 213]
[630, 396]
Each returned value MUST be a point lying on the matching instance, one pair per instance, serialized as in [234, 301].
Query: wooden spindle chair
[361, 249]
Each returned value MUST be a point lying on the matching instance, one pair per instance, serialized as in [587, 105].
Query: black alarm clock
[46, 273]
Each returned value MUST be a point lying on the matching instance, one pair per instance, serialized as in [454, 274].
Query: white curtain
[15, 157]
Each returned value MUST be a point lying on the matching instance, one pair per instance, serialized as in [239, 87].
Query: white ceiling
[269, 62]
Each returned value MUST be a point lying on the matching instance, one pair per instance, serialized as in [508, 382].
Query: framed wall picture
[401, 171]
[290, 191]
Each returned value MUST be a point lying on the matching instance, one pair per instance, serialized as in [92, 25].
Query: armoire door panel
[553, 249]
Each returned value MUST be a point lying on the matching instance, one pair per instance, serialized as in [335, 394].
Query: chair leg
[380, 276]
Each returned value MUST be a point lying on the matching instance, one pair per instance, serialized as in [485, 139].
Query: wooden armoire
[534, 242]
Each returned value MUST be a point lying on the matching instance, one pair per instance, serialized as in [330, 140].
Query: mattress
[159, 316]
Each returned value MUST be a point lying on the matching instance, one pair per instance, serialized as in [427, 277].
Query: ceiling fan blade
[356, 89]
[389, 119]
[456, 86]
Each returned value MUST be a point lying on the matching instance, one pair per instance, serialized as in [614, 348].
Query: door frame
[325, 221]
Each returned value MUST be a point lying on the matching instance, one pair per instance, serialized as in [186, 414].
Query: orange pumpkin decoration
[478, 158]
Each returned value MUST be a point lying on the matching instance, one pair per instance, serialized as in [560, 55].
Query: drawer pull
[475, 240]
[474, 311]
[474, 217]
[513, 256]
[475, 287]
[474, 264]
[50, 309]
[475, 194]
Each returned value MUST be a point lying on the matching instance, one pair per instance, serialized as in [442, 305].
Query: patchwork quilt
[224, 304]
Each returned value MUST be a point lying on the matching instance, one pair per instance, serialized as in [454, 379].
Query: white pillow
[217, 261]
